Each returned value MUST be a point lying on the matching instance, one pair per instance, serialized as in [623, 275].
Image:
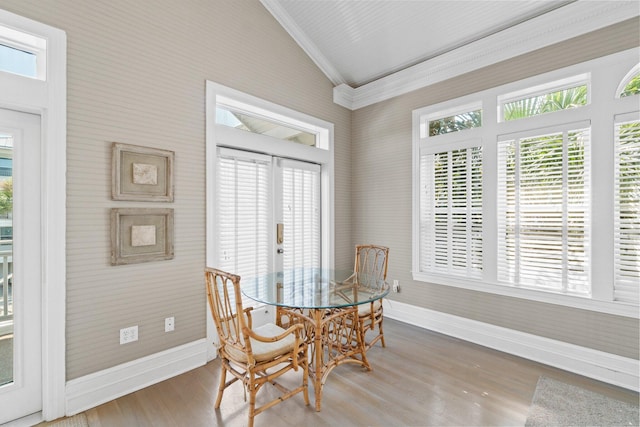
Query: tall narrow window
[243, 212]
[543, 210]
[627, 211]
[451, 212]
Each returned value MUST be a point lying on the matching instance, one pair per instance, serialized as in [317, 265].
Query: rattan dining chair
[253, 356]
[371, 260]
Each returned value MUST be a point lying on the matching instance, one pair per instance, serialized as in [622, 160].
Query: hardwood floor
[421, 379]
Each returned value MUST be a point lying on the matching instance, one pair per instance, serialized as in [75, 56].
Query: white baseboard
[100, 387]
[610, 368]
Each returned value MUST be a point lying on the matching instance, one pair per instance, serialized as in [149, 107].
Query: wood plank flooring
[421, 379]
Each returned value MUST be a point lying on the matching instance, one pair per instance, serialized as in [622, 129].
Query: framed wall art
[141, 173]
[141, 235]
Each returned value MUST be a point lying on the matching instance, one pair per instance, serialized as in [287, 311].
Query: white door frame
[242, 140]
[48, 98]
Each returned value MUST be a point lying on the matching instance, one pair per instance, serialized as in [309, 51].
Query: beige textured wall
[136, 74]
[381, 206]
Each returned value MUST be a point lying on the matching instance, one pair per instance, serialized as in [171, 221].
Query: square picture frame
[141, 173]
[141, 235]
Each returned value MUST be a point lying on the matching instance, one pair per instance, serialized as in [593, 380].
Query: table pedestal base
[333, 336]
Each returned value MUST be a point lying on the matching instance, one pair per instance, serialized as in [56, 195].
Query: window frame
[322, 154]
[29, 43]
[605, 75]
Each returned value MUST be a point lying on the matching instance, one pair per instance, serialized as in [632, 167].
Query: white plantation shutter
[243, 212]
[451, 212]
[543, 209]
[627, 210]
[301, 214]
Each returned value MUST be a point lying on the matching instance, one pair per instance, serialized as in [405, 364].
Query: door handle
[279, 233]
[280, 250]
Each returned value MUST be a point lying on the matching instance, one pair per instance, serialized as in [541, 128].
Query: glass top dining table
[326, 303]
[315, 288]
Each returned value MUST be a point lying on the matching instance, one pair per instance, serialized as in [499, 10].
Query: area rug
[79, 420]
[6, 359]
[558, 404]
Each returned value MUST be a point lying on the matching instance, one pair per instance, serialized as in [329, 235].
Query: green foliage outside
[472, 119]
[561, 100]
[633, 88]
[6, 197]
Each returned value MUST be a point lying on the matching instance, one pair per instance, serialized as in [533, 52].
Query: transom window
[631, 84]
[260, 125]
[512, 202]
[543, 99]
[22, 54]
[455, 122]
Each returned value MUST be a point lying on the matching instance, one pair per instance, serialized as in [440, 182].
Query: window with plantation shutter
[243, 212]
[543, 209]
[538, 197]
[627, 209]
[301, 214]
[451, 212]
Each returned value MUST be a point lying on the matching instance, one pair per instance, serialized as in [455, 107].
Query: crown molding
[281, 15]
[562, 24]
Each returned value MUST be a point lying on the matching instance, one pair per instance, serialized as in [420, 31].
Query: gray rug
[79, 420]
[558, 404]
[6, 359]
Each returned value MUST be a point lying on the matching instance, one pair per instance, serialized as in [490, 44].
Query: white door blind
[243, 213]
[451, 212]
[627, 212]
[301, 214]
[543, 210]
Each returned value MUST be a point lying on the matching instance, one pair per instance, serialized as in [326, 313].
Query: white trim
[99, 387]
[607, 367]
[49, 99]
[572, 20]
[28, 421]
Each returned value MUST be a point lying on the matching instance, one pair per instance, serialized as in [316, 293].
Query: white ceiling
[366, 40]
[360, 43]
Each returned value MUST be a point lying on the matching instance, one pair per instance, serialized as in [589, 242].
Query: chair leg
[305, 382]
[221, 387]
[252, 403]
[381, 333]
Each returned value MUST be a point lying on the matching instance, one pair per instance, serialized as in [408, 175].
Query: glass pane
[543, 212]
[301, 217]
[451, 212]
[455, 123]
[633, 87]
[627, 212]
[240, 120]
[554, 101]
[6, 252]
[243, 216]
[17, 61]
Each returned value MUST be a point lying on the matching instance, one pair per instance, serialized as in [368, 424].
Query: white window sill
[584, 303]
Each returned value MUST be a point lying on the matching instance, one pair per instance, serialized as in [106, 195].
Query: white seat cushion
[365, 309]
[265, 350]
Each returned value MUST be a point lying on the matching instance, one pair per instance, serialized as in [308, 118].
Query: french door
[20, 272]
[267, 213]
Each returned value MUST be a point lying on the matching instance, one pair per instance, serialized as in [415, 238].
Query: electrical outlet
[169, 324]
[396, 286]
[129, 334]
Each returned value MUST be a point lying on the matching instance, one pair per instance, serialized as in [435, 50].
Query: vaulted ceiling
[363, 45]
